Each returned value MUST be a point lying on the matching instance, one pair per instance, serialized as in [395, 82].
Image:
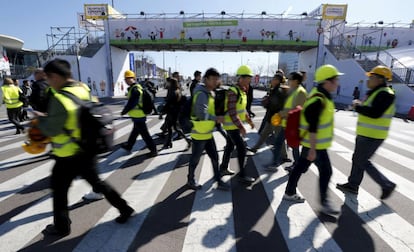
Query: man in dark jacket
[38, 98]
[276, 99]
[195, 81]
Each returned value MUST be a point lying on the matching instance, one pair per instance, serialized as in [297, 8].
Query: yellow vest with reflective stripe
[240, 108]
[203, 129]
[11, 96]
[324, 134]
[376, 127]
[289, 101]
[64, 144]
[137, 111]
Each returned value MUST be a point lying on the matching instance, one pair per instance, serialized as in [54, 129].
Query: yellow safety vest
[11, 96]
[64, 144]
[376, 127]
[137, 111]
[203, 129]
[324, 134]
[240, 108]
[289, 101]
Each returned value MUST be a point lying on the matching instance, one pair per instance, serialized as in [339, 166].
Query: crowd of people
[57, 119]
[18, 98]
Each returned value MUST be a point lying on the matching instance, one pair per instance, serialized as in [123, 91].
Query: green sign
[209, 23]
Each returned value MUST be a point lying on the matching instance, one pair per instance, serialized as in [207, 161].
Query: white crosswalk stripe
[214, 223]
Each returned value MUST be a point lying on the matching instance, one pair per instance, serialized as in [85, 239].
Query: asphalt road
[169, 217]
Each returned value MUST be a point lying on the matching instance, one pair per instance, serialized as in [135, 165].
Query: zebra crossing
[168, 217]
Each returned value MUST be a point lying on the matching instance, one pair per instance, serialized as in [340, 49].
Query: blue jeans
[140, 128]
[365, 148]
[234, 139]
[325, 172]
[198, 147]
[280, 147]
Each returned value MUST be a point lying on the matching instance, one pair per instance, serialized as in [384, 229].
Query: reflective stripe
[322, 140]
[321, 126]
[371, 126]
[60, 145]
[228, 124]
[193, 131]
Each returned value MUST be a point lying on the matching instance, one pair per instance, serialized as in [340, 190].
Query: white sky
[31, 20]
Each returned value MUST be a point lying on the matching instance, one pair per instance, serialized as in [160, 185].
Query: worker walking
[374, 120]
[316, 126]
[204, 121]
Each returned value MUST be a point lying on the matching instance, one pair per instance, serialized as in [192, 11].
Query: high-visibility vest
[240, 108]
[289, 101]
[137, 111]
[11, 95]
[64, 144]
[324, 134]
[376, 127]
[203, 129]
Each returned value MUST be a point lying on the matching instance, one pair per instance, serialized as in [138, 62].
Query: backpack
[95, 122]
[39, 95]
[292, 132]
[147, 101]
[184, 116]
[220, 99]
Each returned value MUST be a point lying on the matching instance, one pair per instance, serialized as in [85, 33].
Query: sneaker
[347, 188]
[225, 172]
[194, 186]
[327, 209]
[52, 230]
[222, 186]
[93, 196]
[252, 150]
[272, 168]
[153, 153]
[286, 160]
[386, 192]
[125, 147]
[294, 198]
[124, 216]
[289, 168]
[246, 179]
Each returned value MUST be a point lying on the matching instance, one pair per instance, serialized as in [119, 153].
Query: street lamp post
[379, 44]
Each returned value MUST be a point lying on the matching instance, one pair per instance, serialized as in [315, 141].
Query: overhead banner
[100, 11]
[96, 11]
[204, 31]
[334, 11]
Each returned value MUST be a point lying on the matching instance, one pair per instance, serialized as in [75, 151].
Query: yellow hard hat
[129, 74]
[381, 70]
[276, 119]
[244, 70]
[34, 147]
[326, 72]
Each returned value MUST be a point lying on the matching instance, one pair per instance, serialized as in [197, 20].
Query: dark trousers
[279, 144]
[325, 172]
[14, 117]
[171, 122]
[197, 150]
[140, 128]
[365, 147]
[234, 139]
[64, 172]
